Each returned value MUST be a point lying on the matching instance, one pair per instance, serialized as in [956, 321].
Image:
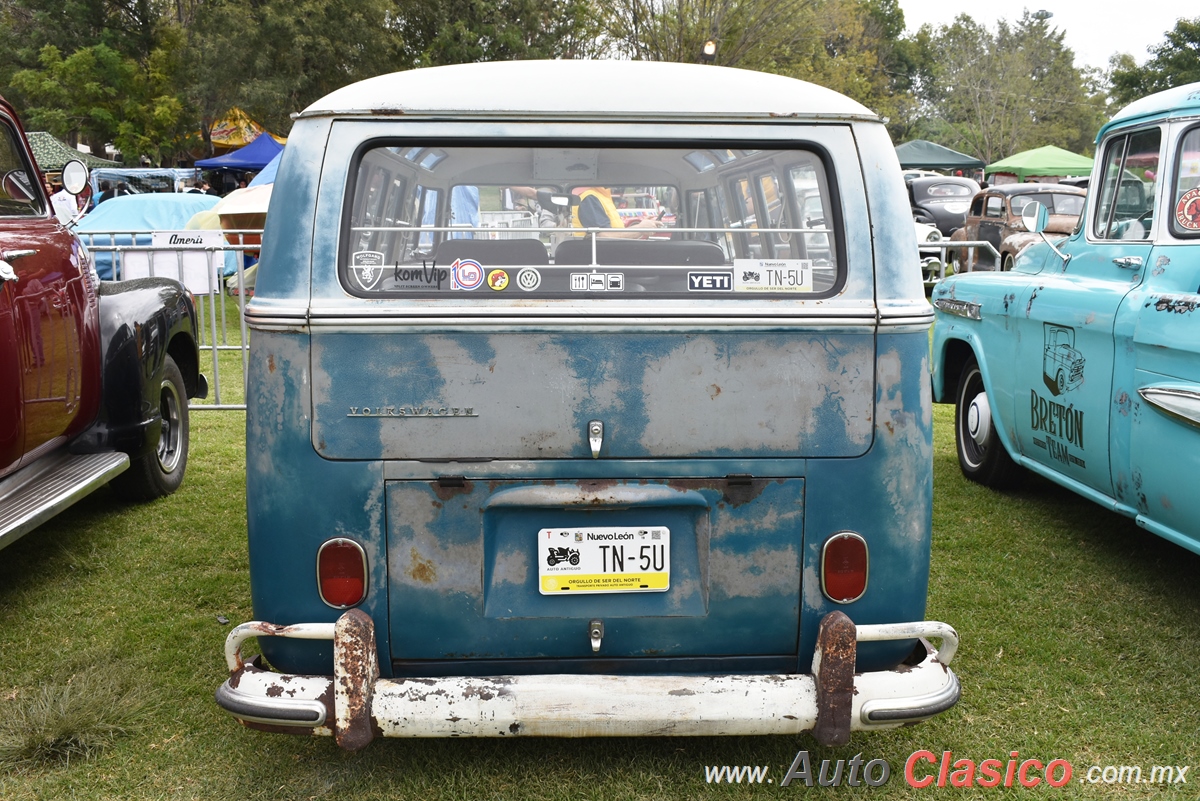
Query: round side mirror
[74, 177]
[1035, 216]
[16, 186]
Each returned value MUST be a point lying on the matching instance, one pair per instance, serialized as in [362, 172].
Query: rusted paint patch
[422, 570]
[1032, 298]
[271, 363]
[447, 492]
[1176, 305]
[682, 692]
[833, 669]
[355, 671]
[1123, 403]
[734, 490]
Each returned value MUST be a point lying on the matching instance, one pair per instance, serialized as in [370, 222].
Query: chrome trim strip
[1182, 404]
[959, 308]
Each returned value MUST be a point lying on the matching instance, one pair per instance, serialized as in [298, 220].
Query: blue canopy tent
[254, 156]
[267, 174]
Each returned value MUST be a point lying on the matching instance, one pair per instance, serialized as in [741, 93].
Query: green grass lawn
[1080, 637]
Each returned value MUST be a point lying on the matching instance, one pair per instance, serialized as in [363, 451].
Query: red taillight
[844, 567]
[341, 573]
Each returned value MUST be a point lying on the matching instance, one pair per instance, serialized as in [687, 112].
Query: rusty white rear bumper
[355, 704]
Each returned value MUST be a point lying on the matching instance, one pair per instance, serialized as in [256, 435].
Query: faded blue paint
[825, 402]
[677, 395]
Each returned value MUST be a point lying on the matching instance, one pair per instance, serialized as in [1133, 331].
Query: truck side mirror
[1035, 217]
[74, 177]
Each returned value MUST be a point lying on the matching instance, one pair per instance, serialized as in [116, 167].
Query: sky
[1090, 30]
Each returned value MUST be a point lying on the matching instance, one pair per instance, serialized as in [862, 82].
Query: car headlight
[934, 236]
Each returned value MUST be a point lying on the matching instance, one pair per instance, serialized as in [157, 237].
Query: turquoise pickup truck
[1081, 364]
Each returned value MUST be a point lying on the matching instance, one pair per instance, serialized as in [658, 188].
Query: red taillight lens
[844, 567]
[341, 573]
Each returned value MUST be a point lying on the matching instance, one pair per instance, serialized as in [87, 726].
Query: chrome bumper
[355, 704]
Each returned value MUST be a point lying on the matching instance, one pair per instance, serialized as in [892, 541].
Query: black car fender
[142, 321]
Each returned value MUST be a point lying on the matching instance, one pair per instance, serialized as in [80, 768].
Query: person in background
[106, 192]
[63, 203]
[597, 210]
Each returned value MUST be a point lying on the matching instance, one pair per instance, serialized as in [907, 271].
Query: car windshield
[1055, 203]
[558, 221]
[949, 190]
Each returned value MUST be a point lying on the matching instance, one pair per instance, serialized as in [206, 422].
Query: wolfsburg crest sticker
[367, 268]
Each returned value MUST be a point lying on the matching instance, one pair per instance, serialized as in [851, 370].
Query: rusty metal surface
[833, 670]
[355, 671]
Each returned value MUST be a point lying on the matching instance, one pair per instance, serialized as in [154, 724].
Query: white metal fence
[211, 265]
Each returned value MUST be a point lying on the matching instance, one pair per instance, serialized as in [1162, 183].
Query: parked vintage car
[941, 201]
[94, 377]
[589, 482]
[995, 217]
[1082, 364]
[932, 259]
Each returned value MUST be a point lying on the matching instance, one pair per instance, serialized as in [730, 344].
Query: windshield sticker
[597, 282]
[427, 276]
[367, 268]
[710, 282]
[772, 275]
[497, 280]
[529, 279]
[466, 274]
[1187, 210]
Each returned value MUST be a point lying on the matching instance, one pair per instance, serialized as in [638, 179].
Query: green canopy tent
[920, 154]
[1048, 160]
[52, 155]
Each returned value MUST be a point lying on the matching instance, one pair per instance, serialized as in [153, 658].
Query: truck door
[44, 303]
[1156, 429]
[1065, 373]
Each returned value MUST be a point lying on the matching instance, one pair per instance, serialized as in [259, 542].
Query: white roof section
[588, 89]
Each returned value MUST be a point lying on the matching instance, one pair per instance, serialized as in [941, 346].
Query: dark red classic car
[94, 377]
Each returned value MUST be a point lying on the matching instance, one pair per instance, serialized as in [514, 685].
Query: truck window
[561, 222]
[1126, 206]
[18, 196]
[1185, 199]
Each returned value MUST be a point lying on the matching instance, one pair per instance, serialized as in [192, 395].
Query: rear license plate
[608, 559]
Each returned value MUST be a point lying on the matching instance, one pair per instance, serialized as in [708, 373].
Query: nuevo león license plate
[608, 559]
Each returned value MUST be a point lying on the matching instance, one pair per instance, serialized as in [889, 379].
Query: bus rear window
[569, 222]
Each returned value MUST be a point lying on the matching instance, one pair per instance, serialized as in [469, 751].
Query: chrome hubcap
[979, 419]
[168, 440]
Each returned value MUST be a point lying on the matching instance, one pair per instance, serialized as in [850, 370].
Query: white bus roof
[588, 90]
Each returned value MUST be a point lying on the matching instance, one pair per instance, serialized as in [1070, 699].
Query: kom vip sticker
[466, 274]
[366, 267]
[1187, 210]
[772, 275]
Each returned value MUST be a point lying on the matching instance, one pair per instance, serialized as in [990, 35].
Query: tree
[994, 94]
[1175, 62]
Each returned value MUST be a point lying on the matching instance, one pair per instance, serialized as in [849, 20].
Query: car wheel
[1060, 381]
[160, 472]
[1009, 263]
[981, 456]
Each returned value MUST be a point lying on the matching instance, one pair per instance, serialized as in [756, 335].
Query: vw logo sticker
[529, 279]
[466, 274]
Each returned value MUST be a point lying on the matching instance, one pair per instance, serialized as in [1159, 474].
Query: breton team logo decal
[497, 279]
[1187, 210]
[466, 274]
[367, 268]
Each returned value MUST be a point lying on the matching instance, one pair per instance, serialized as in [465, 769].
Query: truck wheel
[160, 472]
[1009, 263]
[981, 456]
